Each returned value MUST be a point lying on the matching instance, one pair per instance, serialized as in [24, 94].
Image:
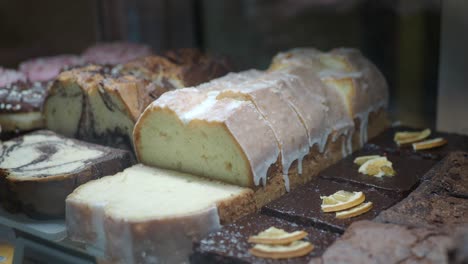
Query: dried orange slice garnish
[362, 159]
[341, 200]
[428, 144]
[355, 211]
[292, 250]
[377, 167]
[402, 138]
[276, 236]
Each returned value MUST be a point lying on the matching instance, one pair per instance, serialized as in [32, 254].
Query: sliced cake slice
[290, 132]
[91, 104]
[103, 103]
[226, 139]
[321, 110]
[145, 215]
[358, 82]
[38, 171]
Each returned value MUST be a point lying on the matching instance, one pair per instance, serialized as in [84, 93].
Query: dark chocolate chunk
[303, 205]
[408, 170]
[229, 245]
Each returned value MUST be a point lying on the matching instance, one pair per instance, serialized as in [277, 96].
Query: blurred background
[401, 37]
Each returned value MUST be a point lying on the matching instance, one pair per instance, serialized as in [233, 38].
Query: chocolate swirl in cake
[39, 170]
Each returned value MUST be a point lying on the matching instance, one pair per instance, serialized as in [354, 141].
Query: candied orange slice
[428, 144]
[341, 200]
[362, 159]
[402, 138]
[295, 249]
[355, 211]
[276, 236]
[377, 167]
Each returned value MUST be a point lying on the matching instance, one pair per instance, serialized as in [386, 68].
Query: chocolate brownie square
[429, 208]
[409, 172]
[451, 175]
[229, 245]
[303, 205]
[370, 242]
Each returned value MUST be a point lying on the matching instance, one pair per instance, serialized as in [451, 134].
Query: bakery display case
[202, 131]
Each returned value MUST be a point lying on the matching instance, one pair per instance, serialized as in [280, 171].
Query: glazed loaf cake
[103, 103]
[150, 215]
[38, 171]
[265, 128]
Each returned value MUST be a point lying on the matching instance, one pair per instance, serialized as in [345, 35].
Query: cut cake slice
[146, 214]
[38, 171]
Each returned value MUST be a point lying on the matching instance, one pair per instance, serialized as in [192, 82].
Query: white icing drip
[349, 141]
[364, 121]
[344, 152]
[323, 140]
[299, 165]
[286, 182]
[98, 225]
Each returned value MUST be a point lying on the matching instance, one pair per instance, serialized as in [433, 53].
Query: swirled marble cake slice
[38, 171]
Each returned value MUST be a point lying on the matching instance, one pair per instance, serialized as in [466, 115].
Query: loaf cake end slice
[38, 171]
[206, 136]
[144, 213]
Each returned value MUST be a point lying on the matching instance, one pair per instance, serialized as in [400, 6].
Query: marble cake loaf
[276, 128]
[38, 170]
[101, 104]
